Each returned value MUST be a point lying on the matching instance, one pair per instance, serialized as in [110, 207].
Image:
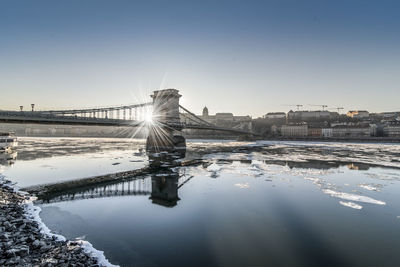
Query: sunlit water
[282, 204]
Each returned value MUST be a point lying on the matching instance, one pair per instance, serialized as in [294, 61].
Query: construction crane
[298, 106]
[323, 106]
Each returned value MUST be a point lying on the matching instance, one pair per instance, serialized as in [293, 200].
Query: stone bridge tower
[165, 131]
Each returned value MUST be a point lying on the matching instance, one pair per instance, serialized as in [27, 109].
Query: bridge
[164, 117]
[124, 115]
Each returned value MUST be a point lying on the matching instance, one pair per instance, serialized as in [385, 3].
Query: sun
[148, 117]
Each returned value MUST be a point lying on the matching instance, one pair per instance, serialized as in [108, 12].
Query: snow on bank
[99, 255]
[32, 212]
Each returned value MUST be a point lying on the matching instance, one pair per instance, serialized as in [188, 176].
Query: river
[247, 204]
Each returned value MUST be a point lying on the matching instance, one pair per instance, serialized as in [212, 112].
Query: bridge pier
[165, 131]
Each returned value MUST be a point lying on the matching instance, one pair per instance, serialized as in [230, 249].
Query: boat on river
[8, 141]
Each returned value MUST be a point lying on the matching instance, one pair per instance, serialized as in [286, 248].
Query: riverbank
[337, 139]
[26, 241]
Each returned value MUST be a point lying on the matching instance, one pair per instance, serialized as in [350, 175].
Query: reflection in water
[162, 186]
[162, 189]
[8, 157]
[128, 187]
[165, 179]
[309, 164]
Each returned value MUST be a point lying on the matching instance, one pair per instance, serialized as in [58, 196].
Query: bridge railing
[37, 116]
[96, 109]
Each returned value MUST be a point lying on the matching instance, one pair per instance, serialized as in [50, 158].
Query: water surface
[248, 204]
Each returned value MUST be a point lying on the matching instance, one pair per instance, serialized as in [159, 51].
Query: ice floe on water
[351, 205]
[318, 173]
[375, 154]
[371, 187]
[316, 181]
[352, 197]
[214, 167]
[243, 185]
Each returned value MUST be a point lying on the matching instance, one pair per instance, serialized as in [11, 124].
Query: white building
[294, 130]
[392, 129]
[353, 131]
[327, 132]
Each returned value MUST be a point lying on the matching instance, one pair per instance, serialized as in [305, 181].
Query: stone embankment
[25, 242]
[346, 139]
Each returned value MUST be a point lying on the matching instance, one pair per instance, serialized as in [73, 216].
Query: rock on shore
[23, 242]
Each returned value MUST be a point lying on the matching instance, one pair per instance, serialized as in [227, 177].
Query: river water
[245, 204]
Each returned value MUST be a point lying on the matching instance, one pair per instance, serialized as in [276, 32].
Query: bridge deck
[45, 118]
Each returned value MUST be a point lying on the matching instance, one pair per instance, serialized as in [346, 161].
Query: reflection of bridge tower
[164, 189]
[164, 134]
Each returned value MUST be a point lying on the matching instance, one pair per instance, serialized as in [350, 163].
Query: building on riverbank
[316, 132]
[275, 115]
[358, 114]
[392, 129]
[227, 119]
[353, 130]
[294, 130]
[326, 132]
[305, 115]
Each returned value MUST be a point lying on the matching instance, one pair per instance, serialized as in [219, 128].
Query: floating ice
[315, 181]
[353, 197]
[214, 167]
[351, 205]
[243, 185]
[369, 187]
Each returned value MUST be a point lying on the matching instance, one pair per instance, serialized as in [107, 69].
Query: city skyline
[249, 59]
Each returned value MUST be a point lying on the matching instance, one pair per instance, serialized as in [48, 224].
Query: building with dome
[227, 119]
[205, 112]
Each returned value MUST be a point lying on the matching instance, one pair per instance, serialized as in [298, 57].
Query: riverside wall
[60, 130]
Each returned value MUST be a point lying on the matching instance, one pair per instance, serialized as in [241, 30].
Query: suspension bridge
[134, 115]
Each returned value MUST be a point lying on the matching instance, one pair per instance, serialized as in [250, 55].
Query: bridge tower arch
[165, 132]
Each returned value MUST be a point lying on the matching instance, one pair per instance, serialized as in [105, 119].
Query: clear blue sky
[245, 57]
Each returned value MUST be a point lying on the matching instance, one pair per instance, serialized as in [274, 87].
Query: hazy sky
[245, 57]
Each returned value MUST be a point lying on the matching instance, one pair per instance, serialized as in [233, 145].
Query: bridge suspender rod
[190, 119]
[195, 116]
